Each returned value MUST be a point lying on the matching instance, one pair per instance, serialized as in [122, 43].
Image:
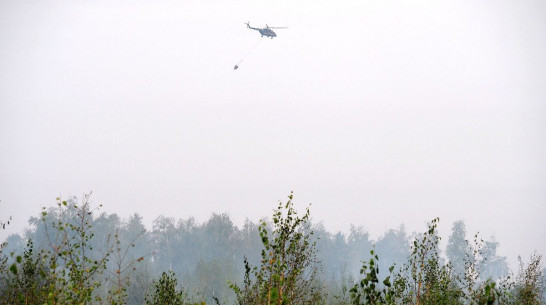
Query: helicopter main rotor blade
[278, 27]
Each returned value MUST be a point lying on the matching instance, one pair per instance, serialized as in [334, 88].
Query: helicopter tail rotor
[247, 24]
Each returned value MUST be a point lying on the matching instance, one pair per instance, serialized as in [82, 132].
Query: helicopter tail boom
[248, 26]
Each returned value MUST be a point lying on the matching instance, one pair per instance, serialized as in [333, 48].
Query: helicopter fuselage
[267, 31]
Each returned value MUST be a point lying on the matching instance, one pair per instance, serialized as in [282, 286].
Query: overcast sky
[377, 112]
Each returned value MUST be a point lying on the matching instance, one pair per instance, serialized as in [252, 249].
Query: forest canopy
[74, 253]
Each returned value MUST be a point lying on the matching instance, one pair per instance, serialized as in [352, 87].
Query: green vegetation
[165, 291]
[74, 255]
[288, 268]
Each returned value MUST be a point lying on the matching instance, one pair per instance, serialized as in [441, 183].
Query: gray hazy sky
[377, 112]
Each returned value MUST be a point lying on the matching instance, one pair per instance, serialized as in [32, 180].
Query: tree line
[75, 254]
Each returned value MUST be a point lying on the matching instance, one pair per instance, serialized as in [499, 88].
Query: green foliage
[426, 279]
[165, 291]
[64, 263]
[27, 282]
[3, 259]
[288, 268]
[529, 285]
[246, 295]
[3, 226]
[371, 290]
[73, 274]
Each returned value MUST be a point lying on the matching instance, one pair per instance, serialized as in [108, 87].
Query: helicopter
[267, 31]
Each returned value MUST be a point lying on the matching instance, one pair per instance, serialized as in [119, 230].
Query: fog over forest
[379, 113]
[206, 257]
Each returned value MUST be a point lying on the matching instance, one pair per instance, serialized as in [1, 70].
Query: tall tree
[74, 270]
[393, 248]
[458, 248]
[288, 271]
[164, 236]
[492, 266]
[359, 245]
